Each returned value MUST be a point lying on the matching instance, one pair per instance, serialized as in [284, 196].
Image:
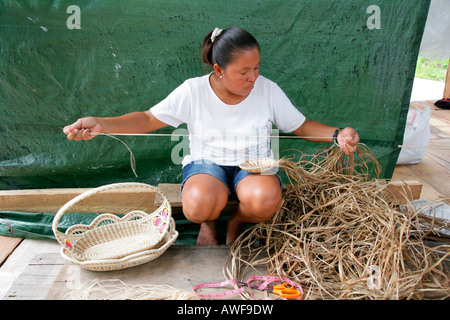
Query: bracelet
[335, 136]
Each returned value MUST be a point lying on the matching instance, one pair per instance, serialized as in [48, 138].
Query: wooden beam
[403, 192]
[37, 200]
[51, 200]
[172, 193]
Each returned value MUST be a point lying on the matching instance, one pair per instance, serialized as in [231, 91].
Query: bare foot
[233, 230]
[207, 235]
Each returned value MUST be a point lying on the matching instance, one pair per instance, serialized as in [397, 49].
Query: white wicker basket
[111, 242]
[259, 165]
[128, 261]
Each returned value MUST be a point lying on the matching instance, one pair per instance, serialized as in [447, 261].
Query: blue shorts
[229, 175]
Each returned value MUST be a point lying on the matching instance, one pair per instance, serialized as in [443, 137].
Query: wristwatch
[335, 136]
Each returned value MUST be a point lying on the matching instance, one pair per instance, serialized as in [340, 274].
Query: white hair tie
[215, 34]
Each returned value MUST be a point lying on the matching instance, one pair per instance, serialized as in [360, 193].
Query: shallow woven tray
[259, 165]
[128, 261]
[113, 238]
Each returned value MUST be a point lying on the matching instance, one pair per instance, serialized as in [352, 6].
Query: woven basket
[129, 261]
[259, 165]
[111, 242]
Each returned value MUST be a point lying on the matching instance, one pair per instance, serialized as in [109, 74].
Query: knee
[262, 203]
[200, 206]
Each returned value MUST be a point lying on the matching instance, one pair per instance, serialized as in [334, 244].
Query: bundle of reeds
[340, 237]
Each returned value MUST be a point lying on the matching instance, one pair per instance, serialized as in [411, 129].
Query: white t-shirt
[228, 134]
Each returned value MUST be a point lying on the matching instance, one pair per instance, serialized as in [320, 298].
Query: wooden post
[447, 83]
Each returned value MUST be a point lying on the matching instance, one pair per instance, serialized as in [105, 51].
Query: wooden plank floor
[33, 269]
[434, 171]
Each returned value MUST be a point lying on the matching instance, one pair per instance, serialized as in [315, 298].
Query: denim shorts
[229, 175]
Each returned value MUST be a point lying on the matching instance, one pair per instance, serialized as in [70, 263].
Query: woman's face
[239, 76]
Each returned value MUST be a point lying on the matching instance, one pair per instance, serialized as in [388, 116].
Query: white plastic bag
[417, 135]
[432, 209]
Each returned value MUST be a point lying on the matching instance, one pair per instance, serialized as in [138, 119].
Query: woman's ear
[218, 70]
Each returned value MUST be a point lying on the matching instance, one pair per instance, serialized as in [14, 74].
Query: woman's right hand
[83, 129]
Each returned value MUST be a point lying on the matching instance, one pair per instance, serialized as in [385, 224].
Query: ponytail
[207, 49]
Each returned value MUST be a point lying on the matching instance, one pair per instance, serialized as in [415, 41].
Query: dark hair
[229, 42]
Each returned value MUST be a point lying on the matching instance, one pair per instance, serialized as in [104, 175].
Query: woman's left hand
[348, 140]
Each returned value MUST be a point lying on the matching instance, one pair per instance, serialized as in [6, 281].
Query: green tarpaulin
[339, 61]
